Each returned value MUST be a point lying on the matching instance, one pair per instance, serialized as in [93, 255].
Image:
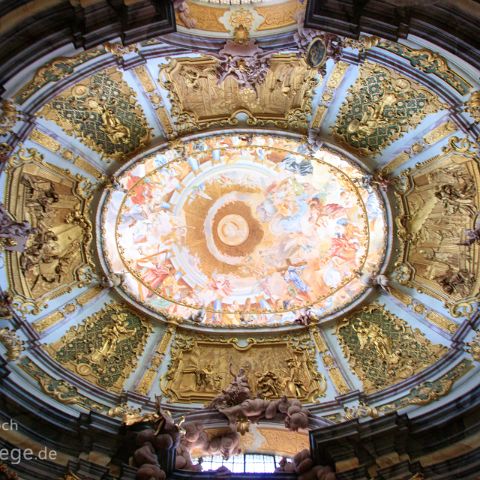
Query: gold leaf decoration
[474, 347]
[201, 366]
[198, 101]
[440, 202]
[381, 106]
[429, 62]
[57, 69]
[430, 391]
[12, 343]
[57, 257]
[103, 112]
[383, 349]
[146, 382]
[60, 390]
[105, 347]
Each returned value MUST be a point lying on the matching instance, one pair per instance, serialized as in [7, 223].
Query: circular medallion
[316, 53]
[253, 229]
[233, 229]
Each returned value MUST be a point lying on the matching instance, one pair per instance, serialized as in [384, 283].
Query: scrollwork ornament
[460, 145]
[428, 62]
[60, 390]
[429, 391]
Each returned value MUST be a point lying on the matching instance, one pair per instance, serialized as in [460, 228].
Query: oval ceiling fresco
[248, 229]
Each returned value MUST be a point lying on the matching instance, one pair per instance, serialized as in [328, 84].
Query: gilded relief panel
[441, 201]
[382, 349]
[57, 255]
[381, 106]
[104, 349]
[202, 366]
[198, 101]
[103, 112]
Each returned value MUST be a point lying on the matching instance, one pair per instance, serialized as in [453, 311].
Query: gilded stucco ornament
[199, 101]
[13, 235]
[473, 347]
[434, 136]
[55, 70]
[48, 321]
[104, 349]
[57, 255]
[429, 62]
[383, 349]
[381, 106]
[12, 343]
[6, 304]
[119, 50]
[103, 112]
[419, 308]
[472, 106]
[316, 47]
[201, 367]
[59, 389]
[362, 410]
[124, 411]
[8, 116]
[146, 382]
[438, 224]
[429, 391]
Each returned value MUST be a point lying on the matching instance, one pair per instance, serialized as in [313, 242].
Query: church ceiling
[195, 213]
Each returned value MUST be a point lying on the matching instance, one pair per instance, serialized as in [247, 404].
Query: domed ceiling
[308, 214]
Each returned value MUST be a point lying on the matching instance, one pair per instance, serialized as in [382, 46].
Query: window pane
[249, 462]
